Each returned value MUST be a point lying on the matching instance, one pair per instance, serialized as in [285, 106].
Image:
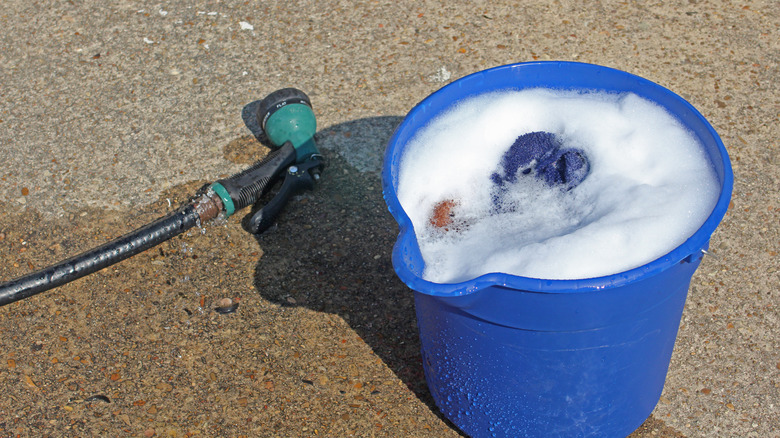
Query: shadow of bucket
[508, 356]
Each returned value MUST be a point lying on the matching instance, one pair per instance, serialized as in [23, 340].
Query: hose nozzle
[287, 125]
[286, 115]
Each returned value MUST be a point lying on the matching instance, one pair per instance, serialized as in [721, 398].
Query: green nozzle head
[286, 115]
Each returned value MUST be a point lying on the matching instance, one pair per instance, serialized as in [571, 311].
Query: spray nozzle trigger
[298, 177]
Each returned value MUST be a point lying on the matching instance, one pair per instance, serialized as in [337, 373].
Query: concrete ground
[111, 112]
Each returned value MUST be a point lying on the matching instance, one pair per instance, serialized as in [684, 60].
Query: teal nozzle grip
[227, 202]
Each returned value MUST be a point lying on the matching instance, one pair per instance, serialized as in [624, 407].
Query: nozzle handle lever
[299, 177]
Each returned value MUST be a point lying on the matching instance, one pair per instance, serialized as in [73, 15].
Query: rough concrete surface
[109, 111]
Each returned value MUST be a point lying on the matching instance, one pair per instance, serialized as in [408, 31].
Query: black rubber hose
[101, 257]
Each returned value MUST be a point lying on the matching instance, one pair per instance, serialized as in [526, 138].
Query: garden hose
[288, 125]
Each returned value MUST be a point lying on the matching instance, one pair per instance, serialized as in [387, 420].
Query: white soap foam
[650, 187]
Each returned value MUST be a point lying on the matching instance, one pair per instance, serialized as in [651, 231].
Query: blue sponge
[544, 156]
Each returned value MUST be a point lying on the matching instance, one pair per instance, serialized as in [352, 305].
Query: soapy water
[649, 187]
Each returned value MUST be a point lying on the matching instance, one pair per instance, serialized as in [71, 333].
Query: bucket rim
[689, 250]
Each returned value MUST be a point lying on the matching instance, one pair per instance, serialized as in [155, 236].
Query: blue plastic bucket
[510, 356]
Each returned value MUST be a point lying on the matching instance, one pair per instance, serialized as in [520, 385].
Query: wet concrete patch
[324, 341]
